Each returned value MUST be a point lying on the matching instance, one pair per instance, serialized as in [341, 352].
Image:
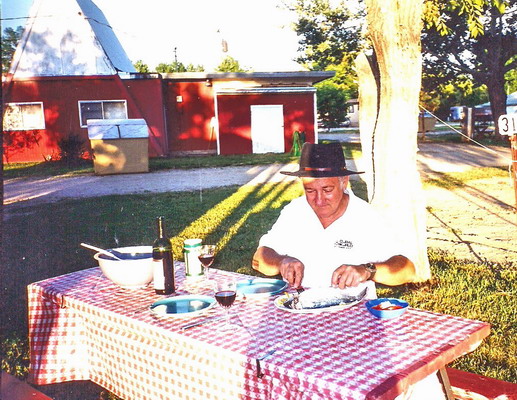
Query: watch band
[371, 268]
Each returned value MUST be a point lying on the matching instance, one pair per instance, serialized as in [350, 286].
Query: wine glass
[225, 294]
[206, 257]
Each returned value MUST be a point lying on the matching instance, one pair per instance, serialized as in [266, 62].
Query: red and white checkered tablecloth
[81, 326]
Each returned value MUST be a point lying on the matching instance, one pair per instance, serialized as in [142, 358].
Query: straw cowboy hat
[322, 161]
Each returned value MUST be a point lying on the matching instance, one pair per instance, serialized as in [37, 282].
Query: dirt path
[476, 222]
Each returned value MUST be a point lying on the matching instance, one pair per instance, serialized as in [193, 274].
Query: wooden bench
[469, 386]
[15, 389]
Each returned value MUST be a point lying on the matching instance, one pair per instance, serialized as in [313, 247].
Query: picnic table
[83, 327]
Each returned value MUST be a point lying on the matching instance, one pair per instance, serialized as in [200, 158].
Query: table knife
[205, 321]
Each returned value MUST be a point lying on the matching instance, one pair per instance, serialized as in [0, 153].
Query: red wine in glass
[226, 297]
[225, 293]
[206, 259]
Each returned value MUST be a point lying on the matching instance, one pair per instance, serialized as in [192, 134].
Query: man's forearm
[395, 271]
[267, 261]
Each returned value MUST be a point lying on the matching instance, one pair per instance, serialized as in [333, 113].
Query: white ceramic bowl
[131, 273]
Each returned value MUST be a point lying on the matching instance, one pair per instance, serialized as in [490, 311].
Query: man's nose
[319, 199]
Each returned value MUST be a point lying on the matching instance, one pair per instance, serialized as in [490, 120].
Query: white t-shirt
[359, 236]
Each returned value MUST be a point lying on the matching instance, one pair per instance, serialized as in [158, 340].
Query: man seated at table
[330, 237]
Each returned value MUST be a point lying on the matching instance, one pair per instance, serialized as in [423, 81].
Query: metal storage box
[119, 146]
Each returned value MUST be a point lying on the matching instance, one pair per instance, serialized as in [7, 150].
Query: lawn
[43, 241]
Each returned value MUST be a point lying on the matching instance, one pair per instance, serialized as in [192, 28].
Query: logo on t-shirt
[343, 244]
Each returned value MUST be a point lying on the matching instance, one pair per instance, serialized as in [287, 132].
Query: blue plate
[387, 314]
[260, 287]
[182, 306]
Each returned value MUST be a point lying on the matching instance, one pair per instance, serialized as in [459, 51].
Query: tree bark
[394, 28]
[368, 74]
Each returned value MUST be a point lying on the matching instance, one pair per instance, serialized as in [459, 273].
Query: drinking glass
[206, 257]
[225, 294]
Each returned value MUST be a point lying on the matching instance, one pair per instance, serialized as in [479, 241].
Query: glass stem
[227, 323]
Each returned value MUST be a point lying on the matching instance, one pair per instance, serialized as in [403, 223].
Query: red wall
[234, 114]
[189, 121]
[60, 96]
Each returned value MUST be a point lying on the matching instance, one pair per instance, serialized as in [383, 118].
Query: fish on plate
[321, 298]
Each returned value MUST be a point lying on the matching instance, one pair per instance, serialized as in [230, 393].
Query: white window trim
[21, 103]
[102, 104]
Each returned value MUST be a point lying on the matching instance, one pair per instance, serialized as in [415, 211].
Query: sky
[258, 33]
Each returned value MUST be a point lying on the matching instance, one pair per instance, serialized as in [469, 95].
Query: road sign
[508, 124]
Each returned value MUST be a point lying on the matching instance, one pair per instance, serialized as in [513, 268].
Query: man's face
[325, 196]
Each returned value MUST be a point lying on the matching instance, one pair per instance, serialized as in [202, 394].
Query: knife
[267, 354]
[205, 321]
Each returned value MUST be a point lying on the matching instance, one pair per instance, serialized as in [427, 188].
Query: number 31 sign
[508, 124]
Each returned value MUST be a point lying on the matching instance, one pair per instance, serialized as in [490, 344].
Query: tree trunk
[495, 62]
[394, 27]
[368, 73]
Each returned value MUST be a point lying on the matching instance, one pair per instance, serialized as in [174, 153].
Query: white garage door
[267, 129]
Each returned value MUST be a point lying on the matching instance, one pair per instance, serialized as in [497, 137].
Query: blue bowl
[387, 314]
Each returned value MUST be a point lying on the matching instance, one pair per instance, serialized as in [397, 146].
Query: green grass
[43, 242]
[453, 180]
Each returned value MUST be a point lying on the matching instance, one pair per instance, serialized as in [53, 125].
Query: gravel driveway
[432, 157]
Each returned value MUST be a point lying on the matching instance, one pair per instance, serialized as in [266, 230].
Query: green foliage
[436, 14]
[141, 67]
[178, 66]
[331, 104]
[10, 39]
[511, 78]
[230, 64]
[71, 149]
[439, 98]
[15, 355]
[480, 44]
[326, 32]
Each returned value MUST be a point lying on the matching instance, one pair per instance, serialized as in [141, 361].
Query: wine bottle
[164, 264]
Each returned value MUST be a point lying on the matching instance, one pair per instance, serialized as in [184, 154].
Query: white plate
[258, 287]
[279, 303]
[182, 306]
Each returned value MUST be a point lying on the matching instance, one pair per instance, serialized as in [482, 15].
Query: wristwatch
[371, 268]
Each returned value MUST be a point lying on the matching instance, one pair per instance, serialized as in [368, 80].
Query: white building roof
[68, 37]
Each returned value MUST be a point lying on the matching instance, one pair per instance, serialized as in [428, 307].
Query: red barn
[78, 70]
[239, 113]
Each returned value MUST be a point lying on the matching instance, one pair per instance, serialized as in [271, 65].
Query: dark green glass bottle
[162, 254]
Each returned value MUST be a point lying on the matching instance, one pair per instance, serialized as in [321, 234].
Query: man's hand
[350, 275]
[291, 270]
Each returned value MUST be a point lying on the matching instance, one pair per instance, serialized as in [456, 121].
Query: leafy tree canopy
[230, 64]
[483, 51]
[436, 14]
[331, 104]
[10, 39]
[178, 66]
[326, 32]
[141, 67]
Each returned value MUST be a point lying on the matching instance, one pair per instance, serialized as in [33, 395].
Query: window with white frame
[102, 109]
[24, 116]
